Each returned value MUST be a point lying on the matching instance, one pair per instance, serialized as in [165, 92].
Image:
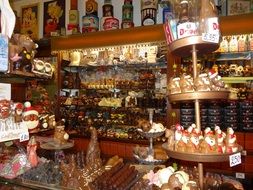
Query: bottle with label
[91, 7]
[107, 9]
[108, 22]
[90, 21]
[73, 24]
[148, 12]
[208, 18]
[127, 14]
[186, 25]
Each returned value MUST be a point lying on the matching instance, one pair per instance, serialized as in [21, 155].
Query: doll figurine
[31, 152]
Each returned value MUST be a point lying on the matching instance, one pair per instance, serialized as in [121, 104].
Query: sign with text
[235, 159]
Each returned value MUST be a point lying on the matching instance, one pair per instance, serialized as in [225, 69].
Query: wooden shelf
[199, 157]
[230, 80]
[183, 47]
[206, 95]
[144, 34]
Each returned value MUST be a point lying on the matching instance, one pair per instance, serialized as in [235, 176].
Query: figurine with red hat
[18, 112]
[30, 117]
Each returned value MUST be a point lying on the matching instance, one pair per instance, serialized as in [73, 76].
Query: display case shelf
[207, 95]
[235, 80]
[183, 47]
[199, 157]
[233, 56]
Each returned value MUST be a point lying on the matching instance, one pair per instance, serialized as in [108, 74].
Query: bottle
[148, 12]
[127, 14]
[107, 9]
[90, 21]
[73, 24]
[186, 25]
[91, 7]
[208, 18]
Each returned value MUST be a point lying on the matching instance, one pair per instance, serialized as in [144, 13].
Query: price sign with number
[24, 136]
[208, 37]
[235, 159]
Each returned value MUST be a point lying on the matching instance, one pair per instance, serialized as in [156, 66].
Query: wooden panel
[105, 147]
[249, 141]
[18, 92]
[129, 150]
[238, 168]
[134, 35]
[81, 144]
[236, 24]
[240, 138]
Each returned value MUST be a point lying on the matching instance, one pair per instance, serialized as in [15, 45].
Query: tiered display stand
[185, 47]
[150, 136]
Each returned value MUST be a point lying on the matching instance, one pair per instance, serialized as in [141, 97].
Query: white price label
[24, 137]
[240, 175]
[208, 37]
[235, 159]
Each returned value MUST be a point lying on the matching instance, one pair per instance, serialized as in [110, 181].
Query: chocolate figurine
[93, 160]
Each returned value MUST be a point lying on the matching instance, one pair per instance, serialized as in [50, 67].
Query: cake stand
[51, 145]
[150, 136]
[150, 159]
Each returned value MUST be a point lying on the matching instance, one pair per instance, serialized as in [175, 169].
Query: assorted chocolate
[236, 114]
[204, 82]
[193, 140]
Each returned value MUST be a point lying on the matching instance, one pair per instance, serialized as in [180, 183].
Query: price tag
[240, 175]
[24, 136]
[235, 159]
[208, 37]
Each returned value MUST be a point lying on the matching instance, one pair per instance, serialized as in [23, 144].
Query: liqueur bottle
[91, 7]
[73, 17]
[127, 14]
[208, 18]
[107, 9]
[186, 25]
[108, 22]
[90, 21]
[148, 12]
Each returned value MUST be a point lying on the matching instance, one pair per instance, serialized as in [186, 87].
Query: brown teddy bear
[22, 50]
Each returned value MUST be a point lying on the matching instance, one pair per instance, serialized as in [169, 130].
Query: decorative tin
[73, 17]
[148, 12]
[111, 23]
[90, 23]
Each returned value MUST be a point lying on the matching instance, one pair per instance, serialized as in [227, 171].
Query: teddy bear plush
[22, 50]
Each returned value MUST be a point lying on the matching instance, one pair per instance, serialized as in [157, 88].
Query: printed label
[186, 29]
[235, 159]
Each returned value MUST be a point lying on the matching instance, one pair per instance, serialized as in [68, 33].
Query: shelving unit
[184, 47]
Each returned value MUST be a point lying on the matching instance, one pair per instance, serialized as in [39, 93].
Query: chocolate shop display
[188, 34]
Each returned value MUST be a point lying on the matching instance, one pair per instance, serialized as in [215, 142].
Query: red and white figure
[220, 136]
[178, 132]
[231, 144]
[30, 117]
[5, 109]
[18, 108]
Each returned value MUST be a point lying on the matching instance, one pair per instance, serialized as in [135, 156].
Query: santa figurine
[181, 145]
[220, 136]
[30, 117]
[231, 144]
[178, 132]
[18, 112]
[208, 145]
[193, 145]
